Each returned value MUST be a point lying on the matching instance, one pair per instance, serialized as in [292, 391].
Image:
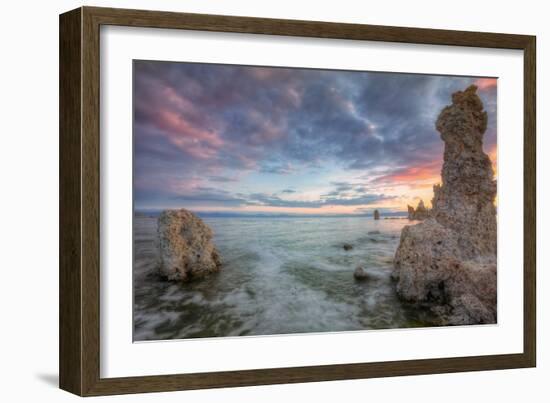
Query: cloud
[411, 174]
[208, 123]
[223, 179]
[484, 84]
[278, 168]
[342, 186]
[270, 200]
[210, 196]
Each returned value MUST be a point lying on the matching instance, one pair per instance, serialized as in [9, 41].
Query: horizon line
[268, 214]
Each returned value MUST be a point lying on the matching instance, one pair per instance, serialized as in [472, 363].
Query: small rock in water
[373, 232]
[347, 246]
[360, 274]
[185, 246]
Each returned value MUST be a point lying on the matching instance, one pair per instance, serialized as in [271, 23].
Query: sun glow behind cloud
[276, 140]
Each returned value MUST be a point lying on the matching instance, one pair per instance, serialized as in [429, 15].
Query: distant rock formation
[448, 262]
[376, 215]
[420, 213]
[185, 246]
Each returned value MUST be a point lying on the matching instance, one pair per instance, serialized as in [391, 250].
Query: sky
[270, 140]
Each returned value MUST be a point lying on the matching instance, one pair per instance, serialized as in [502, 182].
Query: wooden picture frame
[79, 346]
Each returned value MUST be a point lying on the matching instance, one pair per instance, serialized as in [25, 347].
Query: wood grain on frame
[70, 314]
[79, 200]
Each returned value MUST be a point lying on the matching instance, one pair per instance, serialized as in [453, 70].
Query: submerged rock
[360, 274]
[449, 260]
[185, 246]
[347, 246]
[376, 215]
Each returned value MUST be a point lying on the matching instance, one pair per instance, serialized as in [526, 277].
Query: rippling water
[280, 275]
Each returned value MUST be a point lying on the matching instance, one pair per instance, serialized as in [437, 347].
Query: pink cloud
[176, 100]
[486, 83]
[180, 122]
[200, 143]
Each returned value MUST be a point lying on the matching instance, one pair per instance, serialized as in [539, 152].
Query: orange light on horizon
[418, 182]
[485, 83]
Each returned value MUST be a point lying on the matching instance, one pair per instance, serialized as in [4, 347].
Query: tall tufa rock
[376, 215]
[185, 246]
[448, 261]
[464, 202]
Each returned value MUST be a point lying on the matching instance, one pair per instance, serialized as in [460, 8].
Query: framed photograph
[249, 201]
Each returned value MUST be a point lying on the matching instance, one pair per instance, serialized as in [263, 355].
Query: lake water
[280, 275]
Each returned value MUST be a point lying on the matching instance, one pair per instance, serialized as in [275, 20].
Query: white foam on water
[280, 275]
